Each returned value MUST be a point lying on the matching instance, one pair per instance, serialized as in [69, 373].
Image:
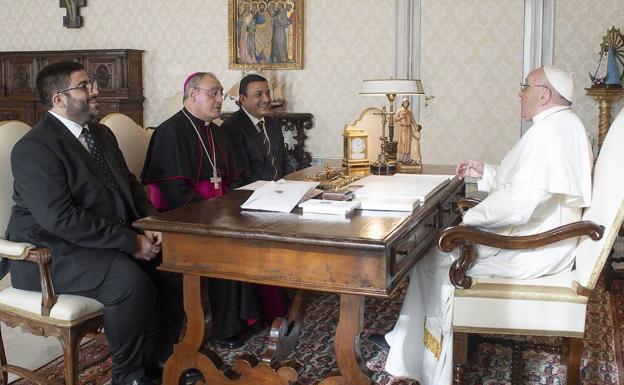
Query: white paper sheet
[281, 196]
[253, 186]
[320, 206]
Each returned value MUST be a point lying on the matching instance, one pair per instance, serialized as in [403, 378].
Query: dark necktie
[267, 148]
[98, 156]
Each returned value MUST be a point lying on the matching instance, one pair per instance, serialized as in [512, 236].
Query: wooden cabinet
[118, 72]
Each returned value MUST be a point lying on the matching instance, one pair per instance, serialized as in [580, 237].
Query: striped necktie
[267, 148]
[98, 156]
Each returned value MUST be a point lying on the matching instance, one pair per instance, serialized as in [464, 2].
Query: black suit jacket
[64, 202]
[248, 145]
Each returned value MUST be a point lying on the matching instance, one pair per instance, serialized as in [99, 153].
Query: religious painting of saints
[265, 34]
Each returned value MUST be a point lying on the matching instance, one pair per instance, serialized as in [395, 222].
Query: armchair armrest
[465, 237]
[40, 256]
[464, 204]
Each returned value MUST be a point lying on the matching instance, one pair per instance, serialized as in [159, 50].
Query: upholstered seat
[67, 317]
[67, 311]
[554, 305]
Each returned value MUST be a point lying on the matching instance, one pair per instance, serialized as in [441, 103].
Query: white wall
[579, 28]
[472, 63]
[345, 42]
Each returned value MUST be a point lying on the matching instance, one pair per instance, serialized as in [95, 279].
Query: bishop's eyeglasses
[212, 93]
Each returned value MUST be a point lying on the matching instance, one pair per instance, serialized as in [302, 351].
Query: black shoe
[192, 376]
[234, 342]
[154, 373]
[136, 381]
[229, 343]
[380, 341]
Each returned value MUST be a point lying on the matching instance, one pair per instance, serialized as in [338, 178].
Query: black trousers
[143, 314]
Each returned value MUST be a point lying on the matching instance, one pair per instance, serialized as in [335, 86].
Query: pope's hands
[147, 246]
[469, 168]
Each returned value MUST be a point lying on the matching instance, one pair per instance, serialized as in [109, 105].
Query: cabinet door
[107, 71]
[21, 77]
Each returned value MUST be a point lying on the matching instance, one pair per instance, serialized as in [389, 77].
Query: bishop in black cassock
[179, 170]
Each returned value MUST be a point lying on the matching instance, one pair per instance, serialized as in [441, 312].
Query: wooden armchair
[66, 317]
[553, 305]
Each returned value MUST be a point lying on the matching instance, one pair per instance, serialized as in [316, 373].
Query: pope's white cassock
[542, 183]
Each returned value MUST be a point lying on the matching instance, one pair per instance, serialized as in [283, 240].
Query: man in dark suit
[75, 195]
[257, 138]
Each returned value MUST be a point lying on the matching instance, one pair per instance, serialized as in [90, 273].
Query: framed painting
[265, 34]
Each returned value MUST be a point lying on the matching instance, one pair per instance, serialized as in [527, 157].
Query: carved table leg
[460, 356]
[285, 333]
[192, 352]
[347, 344]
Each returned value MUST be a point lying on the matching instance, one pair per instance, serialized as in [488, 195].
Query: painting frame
[263, 59]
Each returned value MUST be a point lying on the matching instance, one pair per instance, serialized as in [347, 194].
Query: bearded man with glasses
[75, 195]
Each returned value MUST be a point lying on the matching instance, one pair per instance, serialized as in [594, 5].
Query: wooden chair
[133, 140]
[553, 305]
[66, 317]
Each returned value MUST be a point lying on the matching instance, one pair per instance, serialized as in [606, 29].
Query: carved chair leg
[460, 356]
[517, 364]
[4, 380]
[70, 341]
[571, 352]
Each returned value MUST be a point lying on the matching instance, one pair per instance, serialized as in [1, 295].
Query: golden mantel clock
[355, 150]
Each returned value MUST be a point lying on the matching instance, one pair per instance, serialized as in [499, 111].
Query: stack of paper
[399, 192]
[321, 206]
[281, 196]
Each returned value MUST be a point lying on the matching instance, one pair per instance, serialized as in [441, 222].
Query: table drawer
[413, 247]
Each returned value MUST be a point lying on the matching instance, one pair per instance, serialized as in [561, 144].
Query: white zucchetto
[562, 81]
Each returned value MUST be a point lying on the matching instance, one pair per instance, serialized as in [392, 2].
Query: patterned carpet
[489, 365]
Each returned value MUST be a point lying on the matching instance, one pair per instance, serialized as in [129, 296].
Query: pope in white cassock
[542, 183]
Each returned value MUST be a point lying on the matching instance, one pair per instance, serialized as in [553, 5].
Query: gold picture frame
[265, 34]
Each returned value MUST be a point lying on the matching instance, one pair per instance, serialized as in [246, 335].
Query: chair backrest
[10, 132]
[132, 138]
[607, 206]
[173, 104]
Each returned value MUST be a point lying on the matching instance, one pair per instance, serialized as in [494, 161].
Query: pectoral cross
[72, 19]
[215, 180]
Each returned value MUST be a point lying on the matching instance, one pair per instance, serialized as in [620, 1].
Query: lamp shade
[391, 86]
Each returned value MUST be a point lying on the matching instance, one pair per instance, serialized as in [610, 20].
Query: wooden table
[366, 254]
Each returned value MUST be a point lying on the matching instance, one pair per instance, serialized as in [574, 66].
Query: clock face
[357, 145]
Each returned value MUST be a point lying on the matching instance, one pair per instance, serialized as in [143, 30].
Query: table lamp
[387, 162]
